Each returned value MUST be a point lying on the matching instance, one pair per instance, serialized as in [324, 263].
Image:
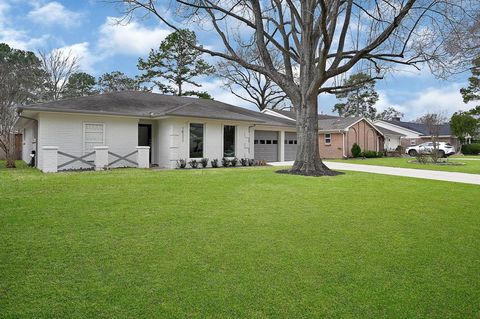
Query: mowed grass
[468, 166]
[236, 243]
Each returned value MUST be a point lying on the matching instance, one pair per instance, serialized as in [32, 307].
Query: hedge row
[471, 149]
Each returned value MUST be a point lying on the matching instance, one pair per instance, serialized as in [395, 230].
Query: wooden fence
[18, 148]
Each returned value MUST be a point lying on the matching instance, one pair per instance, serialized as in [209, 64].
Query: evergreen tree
[117, 81]
[472, 92]
[80, 84]
[463, 124]
[359, 98]
[177, 63]
[389, 114]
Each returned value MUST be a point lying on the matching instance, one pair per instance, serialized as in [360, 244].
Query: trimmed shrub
[234, 161]
[214, 163]
[471, 149]
[371, 154]
[204, 162]
[225, 162]
[356, 150]
[251, 162]
[244, 161]
[193, 163]
[181, 163]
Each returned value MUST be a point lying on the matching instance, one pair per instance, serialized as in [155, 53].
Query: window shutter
[93, 135]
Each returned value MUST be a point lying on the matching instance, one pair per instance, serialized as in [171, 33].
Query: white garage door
[266, 146]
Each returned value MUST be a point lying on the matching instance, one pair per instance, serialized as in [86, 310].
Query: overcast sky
[88, 29]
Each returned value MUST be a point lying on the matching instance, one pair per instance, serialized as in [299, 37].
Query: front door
[145, 136]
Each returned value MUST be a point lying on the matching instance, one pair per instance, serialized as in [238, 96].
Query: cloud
[86, 58]
[446, 100]
[130, 39]
[14, 36]
[20, 39]
[54, 13]
[4, 7]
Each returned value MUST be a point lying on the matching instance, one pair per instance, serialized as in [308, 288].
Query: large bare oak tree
[252, 86]
[319, 40]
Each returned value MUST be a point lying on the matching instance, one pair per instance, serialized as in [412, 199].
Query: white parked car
[445, 149]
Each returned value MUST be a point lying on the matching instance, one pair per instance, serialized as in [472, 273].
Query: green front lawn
[236, 243]
[472, 167]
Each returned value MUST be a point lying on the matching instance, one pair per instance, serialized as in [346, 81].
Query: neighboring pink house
[337, 136]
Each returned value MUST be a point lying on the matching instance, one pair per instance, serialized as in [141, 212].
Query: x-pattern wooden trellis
[122, 158]
[76, 159]
[82, 159]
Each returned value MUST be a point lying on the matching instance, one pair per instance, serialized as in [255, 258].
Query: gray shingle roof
[336, 123]
[293, 116]
[421, 128]
[146, 104]
[387, 131]
[326, 123]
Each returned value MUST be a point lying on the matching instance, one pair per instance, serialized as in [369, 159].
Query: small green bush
[356, 150]
[471, 149]
[214, 163]
[225, 162]
[204, 162]
[193, 163]
[371, 154]
[181, 163]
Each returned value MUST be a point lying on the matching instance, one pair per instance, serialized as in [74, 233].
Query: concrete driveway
[397, 171]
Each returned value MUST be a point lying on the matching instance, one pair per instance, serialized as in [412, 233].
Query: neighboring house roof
[337, 123]
[152, 105]
[332, 123]
[293, 116]
[421, 128]
[386, 131]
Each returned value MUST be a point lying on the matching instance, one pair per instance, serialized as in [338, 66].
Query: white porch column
[101, 157]
[143, 156]
[50, 159]
[281, 146]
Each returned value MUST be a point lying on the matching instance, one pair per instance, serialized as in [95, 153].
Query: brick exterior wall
[361, 133]
[366, 136]
[332, 150]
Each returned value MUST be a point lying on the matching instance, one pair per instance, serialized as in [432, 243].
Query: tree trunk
[308, 160]
[9, 149]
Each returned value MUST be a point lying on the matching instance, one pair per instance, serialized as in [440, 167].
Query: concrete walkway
[397, 171]
[463, 159]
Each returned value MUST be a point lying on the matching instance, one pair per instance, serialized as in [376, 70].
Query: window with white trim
[93, 135]
[328, 139]
[196, 140]
[229, 141]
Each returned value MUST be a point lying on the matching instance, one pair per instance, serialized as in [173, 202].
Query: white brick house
[173, 127]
